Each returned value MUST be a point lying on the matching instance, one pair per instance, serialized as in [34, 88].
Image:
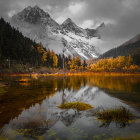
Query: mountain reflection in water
[30, 110]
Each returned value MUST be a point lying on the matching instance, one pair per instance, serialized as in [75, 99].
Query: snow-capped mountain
[35, 15]
[38, 25]
[69, 26]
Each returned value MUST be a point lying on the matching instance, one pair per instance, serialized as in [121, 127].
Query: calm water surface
[28, 110]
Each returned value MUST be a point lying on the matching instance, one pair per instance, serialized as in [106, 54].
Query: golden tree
[55, 60]
[44, 57]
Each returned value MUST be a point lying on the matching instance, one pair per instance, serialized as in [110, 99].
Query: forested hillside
[131, 47]
[20, 52]
[14, 46]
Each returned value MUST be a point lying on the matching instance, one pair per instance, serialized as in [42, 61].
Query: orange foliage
[24, 80]
[119, 64]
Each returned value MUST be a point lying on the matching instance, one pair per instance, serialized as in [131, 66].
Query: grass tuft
[119, 115]
[79, 106]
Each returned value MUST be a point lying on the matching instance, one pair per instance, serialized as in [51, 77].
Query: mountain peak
[28, 8]
[35, 23]
[36, 7]
[68, 21]
[101, 26]
[32, 14]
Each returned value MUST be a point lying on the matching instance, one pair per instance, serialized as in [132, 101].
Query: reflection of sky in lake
[50, 122]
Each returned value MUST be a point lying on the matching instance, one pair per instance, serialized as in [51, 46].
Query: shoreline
[73, 74]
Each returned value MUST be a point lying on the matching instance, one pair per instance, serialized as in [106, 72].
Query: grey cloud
[126, 19]
[18, 5]
[125, 15]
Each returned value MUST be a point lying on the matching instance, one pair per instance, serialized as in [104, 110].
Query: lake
[29, 107]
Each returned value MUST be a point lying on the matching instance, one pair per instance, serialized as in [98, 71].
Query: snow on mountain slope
[38, 25]
[69, 26]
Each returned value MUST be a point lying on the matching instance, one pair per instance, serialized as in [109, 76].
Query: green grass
[119, 115]
[79, 106]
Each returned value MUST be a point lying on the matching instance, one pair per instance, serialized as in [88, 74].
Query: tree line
[18, 51]
[21, 52]
[118, 64]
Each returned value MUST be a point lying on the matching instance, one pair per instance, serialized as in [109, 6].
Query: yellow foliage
[34, 76]
[24, 80]
[134, 67]
[55, 60]
[25, 84]
[119, 64]
[44, 57]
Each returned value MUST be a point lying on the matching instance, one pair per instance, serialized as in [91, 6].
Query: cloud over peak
[122, 17]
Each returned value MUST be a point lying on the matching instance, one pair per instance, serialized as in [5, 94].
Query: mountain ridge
[69, 25]
[39, 26]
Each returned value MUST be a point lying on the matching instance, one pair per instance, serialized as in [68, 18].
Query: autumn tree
[44, 57]
[77, 61]
[55, 60]
[121, 63]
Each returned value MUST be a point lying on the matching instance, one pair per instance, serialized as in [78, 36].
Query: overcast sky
[122, 17]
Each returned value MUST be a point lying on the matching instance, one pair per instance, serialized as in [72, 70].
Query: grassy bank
[35, 74]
